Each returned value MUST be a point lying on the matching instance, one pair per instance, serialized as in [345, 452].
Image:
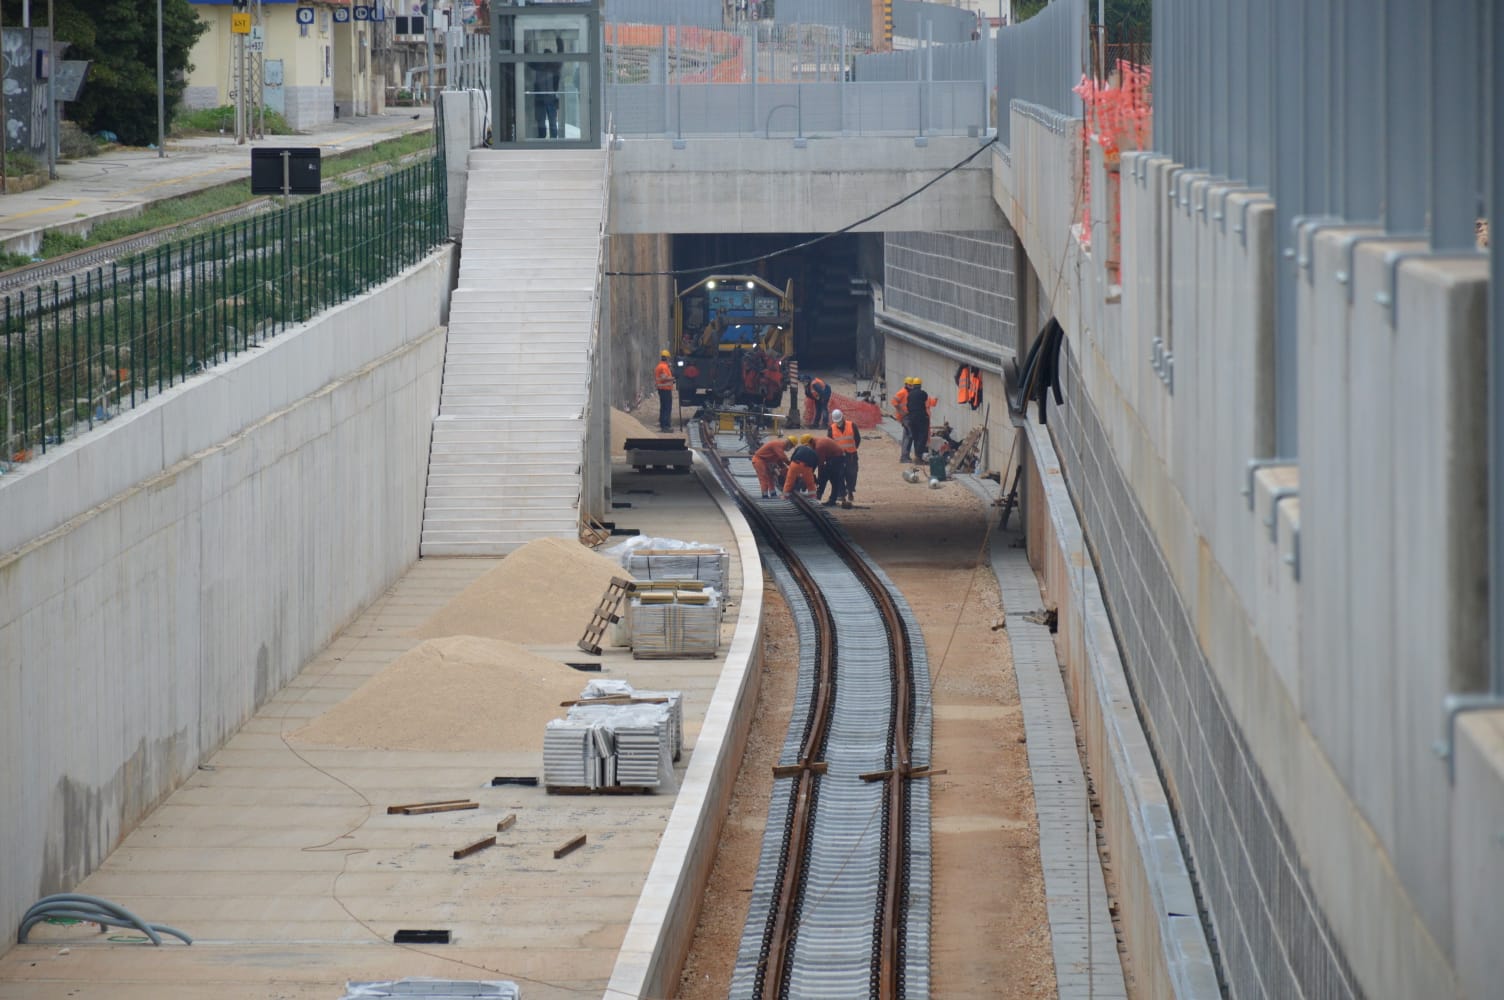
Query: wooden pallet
[969, 451]
[605, 614]
[592, 532]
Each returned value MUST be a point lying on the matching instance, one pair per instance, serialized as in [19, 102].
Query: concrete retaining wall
[1288, 653]
[188, 559]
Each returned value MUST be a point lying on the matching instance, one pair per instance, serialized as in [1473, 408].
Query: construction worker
[917, 423]
[818, 391]
[846, 434]
[770, 461]
[663, 381]
[901, 414]
[802, 463]
[832, 470]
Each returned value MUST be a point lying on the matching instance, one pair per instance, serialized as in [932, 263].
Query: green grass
[200, 121]
[21, 164]
[381, 152]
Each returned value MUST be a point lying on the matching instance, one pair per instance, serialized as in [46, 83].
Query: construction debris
[569, 846]
[479, 845]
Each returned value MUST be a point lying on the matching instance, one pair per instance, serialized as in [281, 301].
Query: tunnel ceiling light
[710, 285]
[749, 284]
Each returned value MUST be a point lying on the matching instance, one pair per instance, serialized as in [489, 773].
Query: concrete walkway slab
[285, 867]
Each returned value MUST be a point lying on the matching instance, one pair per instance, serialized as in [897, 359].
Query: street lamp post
[161, 91]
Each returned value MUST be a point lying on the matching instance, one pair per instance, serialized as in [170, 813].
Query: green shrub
[73, 143]
[21, 164]
[200, 121]
[55, 243]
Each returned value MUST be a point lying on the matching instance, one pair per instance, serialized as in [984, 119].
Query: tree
[1127, 20]
[119, 38]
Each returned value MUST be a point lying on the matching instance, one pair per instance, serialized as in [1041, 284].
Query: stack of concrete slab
[709, 565]
[642, 737]
[508, 442]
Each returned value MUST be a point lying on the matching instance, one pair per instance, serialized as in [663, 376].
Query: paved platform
[122, 180]
[291, 877]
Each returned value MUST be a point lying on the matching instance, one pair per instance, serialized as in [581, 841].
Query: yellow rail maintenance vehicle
[733, 342]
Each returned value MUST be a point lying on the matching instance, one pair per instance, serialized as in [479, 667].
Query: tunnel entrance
[827, 313]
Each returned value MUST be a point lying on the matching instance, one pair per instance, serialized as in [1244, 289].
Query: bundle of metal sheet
[434, 989]
[606, 687]
[708, 564]
[572, 754]
[674, 631]
[641, 739]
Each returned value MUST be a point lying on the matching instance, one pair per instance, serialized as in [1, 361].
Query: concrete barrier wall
[657, 941]
[1289, 657]
[218, 537]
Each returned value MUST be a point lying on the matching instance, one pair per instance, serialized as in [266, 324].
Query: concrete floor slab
[292, 877]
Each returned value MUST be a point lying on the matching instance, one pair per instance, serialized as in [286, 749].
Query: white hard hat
[837, 416]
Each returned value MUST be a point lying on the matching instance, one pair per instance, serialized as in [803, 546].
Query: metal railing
[1042, 60]
[1376, 117]
[802, 110]
[80, 351]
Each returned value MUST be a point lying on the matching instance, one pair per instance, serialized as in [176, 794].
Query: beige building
[316, 63]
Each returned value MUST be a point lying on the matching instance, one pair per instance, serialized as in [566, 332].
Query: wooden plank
[479, 845]
[569, 846]
[448, 807]
[789, 770]
[393, 810]
[506, 822]
[615, 699]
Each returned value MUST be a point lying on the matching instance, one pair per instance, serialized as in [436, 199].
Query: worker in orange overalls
[802, 463]
[846, 434]
[770, 461]
[663, 381]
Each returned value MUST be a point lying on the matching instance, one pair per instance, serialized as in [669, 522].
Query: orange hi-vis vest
[845, 436]
[901, 404]
[964, 385]
[663, 377]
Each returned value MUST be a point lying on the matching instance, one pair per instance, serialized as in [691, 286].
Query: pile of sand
[623, 426]
[541, 595]
[460, 693]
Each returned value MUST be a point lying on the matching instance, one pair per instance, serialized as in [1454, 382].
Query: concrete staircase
[504, 467]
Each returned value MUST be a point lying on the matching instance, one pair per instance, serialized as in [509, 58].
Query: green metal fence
[80, 351]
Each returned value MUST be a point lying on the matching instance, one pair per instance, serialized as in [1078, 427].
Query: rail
[887, 979]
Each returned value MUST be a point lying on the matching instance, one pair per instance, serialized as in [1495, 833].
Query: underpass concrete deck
[286, 869]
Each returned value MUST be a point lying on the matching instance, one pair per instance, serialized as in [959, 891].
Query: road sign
[362, 13]
[257, 41]
[305, 15]
[341, 15]
[240, 24]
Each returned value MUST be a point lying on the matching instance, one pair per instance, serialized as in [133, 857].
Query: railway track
[840, 906]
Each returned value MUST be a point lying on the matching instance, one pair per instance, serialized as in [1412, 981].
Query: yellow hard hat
[792, 441]
[911, 380]
[663, 354]
[806, 439]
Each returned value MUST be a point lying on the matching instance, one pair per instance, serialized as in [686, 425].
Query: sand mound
[460, 693]
[623, 426]
[542, 594]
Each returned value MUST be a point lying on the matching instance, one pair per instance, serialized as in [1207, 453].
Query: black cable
[724, 265]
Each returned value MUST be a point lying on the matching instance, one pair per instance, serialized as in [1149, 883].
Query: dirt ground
[990, 934]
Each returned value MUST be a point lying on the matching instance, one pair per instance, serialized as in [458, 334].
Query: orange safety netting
[865, 415]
